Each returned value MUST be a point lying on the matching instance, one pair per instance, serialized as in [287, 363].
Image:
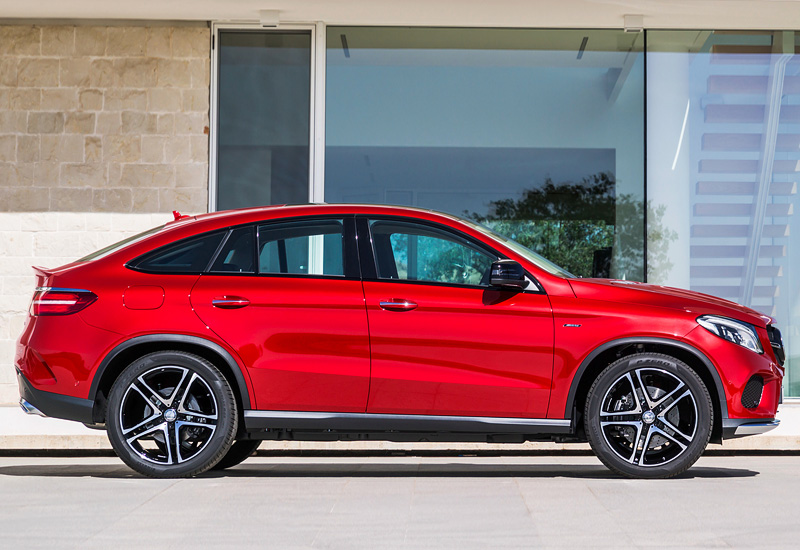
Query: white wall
[48, 239]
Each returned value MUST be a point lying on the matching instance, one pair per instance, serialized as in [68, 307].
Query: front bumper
[741, 427]
[46, 403]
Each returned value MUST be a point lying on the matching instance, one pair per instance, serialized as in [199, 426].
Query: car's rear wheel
[171, 414]
[648, 415]
[240, 451]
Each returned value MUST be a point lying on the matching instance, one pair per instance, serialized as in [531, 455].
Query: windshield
[123, 243]
[522, 250]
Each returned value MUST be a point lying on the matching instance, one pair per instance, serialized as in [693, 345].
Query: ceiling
[696, 14]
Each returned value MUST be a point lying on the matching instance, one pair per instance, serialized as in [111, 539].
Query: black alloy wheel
[648, 415]
[171, 414]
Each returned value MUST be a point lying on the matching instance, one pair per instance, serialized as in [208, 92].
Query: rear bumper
[741, 427]
[35, 401]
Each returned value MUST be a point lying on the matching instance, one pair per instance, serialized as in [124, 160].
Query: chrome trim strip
[58, 289]
[418, 419]
[230, 302]
[405, 305]
[756, 428]
[30, 409]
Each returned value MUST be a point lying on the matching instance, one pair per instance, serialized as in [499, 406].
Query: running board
[364, 422]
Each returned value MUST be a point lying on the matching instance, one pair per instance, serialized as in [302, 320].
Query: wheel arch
[122, 355]
[591, 367]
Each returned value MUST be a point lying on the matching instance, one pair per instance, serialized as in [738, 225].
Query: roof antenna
[177, 215]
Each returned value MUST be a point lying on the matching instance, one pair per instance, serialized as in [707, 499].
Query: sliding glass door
[263, 117]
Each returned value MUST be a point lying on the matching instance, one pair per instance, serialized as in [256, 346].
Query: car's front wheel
[648, 415]
[171, 414]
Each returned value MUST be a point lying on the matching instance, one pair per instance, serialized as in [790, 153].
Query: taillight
[60, 301]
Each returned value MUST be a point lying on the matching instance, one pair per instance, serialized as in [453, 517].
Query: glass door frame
[316, 130]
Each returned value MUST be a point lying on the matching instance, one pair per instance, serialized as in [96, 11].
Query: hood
[668, 297]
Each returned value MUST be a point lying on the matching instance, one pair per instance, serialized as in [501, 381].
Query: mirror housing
[508, 274]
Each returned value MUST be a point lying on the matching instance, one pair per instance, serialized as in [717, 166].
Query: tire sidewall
[227, 416]
[240, 451]
[705, 415]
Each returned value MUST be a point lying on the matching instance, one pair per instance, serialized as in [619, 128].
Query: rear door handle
[230, 302]
[397, 304]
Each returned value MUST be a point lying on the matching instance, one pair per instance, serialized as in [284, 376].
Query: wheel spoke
[173, 443]
[181, 408]
[658, 404]
[147, 430]
[149, 394]
[642, 444]
[182, 388]
[632, 423]
[193, 419]
[677, 400]
[181, 424]
[621, 416]
[144, 425]
[662, 416]
[637, 410]
[608, 423]
[648, 402]
[675, 440]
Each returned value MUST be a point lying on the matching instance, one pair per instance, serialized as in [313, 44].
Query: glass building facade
[663, 156]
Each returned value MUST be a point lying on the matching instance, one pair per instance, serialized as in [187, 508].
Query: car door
[443, 342]
[293, 309]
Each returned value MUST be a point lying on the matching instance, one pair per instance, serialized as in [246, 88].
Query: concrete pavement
[400, 502]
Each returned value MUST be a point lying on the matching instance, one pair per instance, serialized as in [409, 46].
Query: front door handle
[230, 302]
[397, 304]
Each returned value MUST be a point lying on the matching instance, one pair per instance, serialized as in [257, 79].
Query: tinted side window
[190, 255]
[412, 252]
[313, 247]
[237, 254]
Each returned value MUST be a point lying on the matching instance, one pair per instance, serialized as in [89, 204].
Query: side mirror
[508, 274]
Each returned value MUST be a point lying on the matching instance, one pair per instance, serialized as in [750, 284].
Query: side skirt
[325, 426]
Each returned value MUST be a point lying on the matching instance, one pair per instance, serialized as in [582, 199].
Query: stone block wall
[103, 130]
[104, 118]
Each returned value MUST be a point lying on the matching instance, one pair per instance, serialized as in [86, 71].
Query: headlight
[737, 332]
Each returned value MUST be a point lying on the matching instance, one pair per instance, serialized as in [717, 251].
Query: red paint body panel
[143, 297]
[461, 351]
[601, 322]
[86, 338]
[306, 343]
[72, 360]
[304, 350]
[736, 365]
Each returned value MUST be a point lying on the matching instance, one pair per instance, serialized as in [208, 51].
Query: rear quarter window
[190, 255]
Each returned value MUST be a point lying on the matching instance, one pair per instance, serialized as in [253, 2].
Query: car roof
[250, 215]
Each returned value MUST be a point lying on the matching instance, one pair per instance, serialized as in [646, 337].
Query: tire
[240, 451]
[171, 414]
[648, 415]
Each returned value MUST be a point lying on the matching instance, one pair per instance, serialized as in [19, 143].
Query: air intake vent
[751, 396]
[777, 344]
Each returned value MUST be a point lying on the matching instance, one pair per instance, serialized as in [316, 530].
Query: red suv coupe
[192, 342]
